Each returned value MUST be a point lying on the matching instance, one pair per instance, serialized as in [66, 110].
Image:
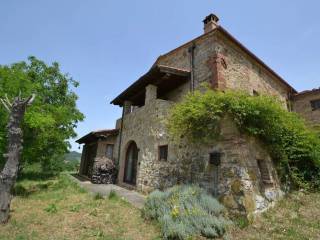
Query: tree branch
[7, 100]
[5, 105]
[30, 100]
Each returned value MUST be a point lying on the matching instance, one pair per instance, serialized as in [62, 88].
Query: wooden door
[130, 171]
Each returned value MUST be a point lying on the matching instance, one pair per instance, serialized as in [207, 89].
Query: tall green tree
[52, 118]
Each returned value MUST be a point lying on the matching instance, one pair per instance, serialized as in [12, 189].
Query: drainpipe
[191, 51]
[120, 139]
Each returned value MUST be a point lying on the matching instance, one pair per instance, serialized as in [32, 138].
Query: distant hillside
[72, 156]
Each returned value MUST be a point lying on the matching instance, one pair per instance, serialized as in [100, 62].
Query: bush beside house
[186, 211]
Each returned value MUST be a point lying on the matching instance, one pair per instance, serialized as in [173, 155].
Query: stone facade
[94, 154]
[235, 168]
[223, 64]
[146, 127]
[302, 104]
[242, 72]
[236, 181]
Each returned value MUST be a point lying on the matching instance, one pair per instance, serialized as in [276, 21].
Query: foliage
[72, 156]
[294, 147]
[71, 162]
[70, 166]
[51, 120]
[186, 211]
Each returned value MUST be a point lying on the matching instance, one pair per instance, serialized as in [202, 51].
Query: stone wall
[302, 105]
[146, 127]
[244, 73]
[180, 58]
[176, 95]
[102, 145]
[237, 181]
[225, 65]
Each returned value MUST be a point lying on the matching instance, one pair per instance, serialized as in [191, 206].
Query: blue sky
[106, 45]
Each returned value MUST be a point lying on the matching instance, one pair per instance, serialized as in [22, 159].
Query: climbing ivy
[294, 147]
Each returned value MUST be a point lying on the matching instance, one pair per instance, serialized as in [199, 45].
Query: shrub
[293, 146]
[186, 211]
[20, 190]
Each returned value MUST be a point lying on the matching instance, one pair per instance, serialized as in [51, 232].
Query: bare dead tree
[9, 173]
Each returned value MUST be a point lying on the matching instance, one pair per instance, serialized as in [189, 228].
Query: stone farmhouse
[236, 168]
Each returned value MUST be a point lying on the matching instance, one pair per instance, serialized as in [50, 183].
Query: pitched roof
[157, 75]
[315, 90]
[156, 68]
[94, 135]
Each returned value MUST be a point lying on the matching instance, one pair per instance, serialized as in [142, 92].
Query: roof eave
[161, 68]
[118, 99]
[106, 133]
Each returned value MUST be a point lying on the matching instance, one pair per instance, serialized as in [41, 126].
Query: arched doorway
[130, 170]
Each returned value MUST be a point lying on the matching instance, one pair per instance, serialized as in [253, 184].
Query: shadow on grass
[25, 191]
[33, 180]
[36, 176]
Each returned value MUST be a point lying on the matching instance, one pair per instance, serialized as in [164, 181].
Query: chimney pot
[210, 23]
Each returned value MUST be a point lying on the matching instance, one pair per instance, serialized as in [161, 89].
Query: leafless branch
[5, 105]
[31, 99]
[7, 100]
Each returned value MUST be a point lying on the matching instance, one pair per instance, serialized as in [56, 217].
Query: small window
[315, 104]
[163, 153]
[109, 151]
[215, 158]
[264, 171]
[255, 93]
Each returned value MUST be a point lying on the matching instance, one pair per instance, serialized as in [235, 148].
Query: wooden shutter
[264, 171]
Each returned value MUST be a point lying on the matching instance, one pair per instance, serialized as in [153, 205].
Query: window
[109, 151]
[264, 171]
[315, 104]
[215, 158]
[163, 153]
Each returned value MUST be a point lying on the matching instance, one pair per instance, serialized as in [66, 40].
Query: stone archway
[131, 164]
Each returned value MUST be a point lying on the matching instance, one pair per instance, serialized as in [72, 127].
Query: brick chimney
[210, 23]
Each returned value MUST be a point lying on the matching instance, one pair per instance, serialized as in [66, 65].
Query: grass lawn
[59, 209]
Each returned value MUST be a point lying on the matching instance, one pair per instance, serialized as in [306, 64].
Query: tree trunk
[9, 173]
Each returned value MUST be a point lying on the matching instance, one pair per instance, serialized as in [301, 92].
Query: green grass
[58, 209]
[296, 217]
[53, 207]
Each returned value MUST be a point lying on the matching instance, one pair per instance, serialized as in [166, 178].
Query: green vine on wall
[294, 147]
